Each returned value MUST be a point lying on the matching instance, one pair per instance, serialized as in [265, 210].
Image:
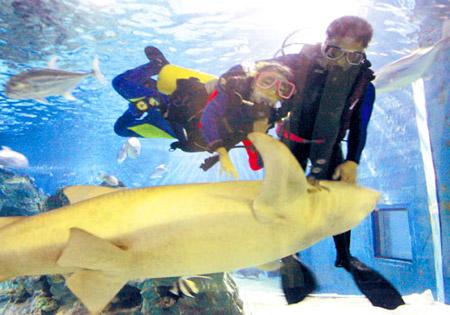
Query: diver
[334, 98]
[201, 112]
[244, 101]
[144, 116]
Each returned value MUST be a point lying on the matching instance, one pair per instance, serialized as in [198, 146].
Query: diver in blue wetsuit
[167, 107]
[145, 114]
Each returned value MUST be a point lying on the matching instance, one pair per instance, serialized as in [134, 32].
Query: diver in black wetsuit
[334, 95]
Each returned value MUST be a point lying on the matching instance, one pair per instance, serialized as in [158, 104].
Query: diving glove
[225, 163]
[346, 172]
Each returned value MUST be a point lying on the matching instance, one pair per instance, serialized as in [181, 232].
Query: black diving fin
[155, 55]
[297, 281]
[373, 285]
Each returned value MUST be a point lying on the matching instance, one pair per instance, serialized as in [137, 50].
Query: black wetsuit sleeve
[358, 125]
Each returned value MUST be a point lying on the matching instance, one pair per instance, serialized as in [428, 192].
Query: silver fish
[406, 70]
[39, 83]
[130, 148]
[110, 180]
[12, 159]
[159, 171]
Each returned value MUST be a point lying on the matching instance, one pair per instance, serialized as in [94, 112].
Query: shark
[106, 236]
[411, 67]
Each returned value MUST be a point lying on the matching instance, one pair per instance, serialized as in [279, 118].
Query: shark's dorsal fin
[284, 179]
[95, 289]
[80, 193]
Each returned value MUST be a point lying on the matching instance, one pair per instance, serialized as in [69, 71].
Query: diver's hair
[285, 71]
[351, 26]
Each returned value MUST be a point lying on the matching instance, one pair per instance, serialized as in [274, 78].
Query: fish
[12, 159]
[38, 84]
[16, 180]
[109, 180]
[411, 67]
[183, 287]
[159, 171]
[130, 148]
[106, 237]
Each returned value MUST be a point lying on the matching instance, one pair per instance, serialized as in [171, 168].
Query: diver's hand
[225, 163]
[316, 185]
[346, 172]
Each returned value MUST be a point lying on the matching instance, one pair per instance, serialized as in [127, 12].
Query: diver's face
[343, 52]
[267, 92]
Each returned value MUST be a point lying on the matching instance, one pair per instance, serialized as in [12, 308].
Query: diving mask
[267, 80]
[333, 52]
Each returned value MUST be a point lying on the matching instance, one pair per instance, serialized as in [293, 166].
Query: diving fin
[297, 281]
[373, 285]
[155, 55]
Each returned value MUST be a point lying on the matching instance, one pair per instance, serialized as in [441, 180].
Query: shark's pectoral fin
[80, 193]
[283, 182]
[87, 251]
[95, 289]
[103, 268]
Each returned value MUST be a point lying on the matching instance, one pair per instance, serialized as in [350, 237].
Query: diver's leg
[373, 285]
[342, 244]
[297, 281]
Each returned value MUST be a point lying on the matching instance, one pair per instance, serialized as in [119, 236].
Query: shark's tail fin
[97, 72]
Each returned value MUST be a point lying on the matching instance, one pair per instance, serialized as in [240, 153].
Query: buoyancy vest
[187, 97]
[337, 100]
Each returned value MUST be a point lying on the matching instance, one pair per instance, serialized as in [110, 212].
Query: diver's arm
[130, 123]
[359, 124]
[125, 121]
[347, 171]
[211, 121]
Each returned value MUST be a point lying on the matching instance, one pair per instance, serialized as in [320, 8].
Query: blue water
[70, 142]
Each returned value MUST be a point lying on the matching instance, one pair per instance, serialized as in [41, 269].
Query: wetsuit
[227, 118]
[144, 116]
[357, 97]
